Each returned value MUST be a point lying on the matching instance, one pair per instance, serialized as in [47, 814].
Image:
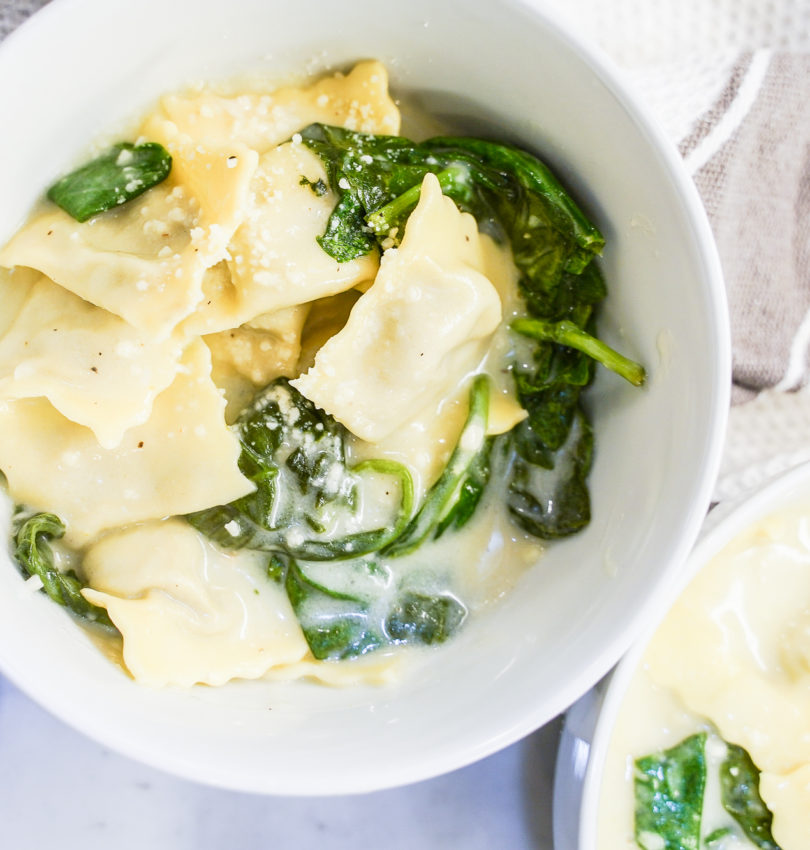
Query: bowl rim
[24, 39]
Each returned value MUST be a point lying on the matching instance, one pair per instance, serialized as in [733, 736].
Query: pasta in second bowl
[274, 391]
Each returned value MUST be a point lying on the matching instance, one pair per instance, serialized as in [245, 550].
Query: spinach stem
[364, 542]
[470, 443]
[403, 476]
[381, 220]
[567, 333]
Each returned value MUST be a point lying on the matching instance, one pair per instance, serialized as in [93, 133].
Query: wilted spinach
[516, 199]
[417, 618]
[454, 496]
[567, 333]
[739, 789]
[509, 191]
[295, 454]
[119, 175]
[335, 625]
[548, 491]
[338, 624]
[670, 787]
[33, 551]
[669, 796]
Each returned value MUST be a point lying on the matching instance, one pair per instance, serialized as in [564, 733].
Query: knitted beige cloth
[729, 81]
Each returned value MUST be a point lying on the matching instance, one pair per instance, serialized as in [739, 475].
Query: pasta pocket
[188, 612]
[94, 368]
[182, 459]
[145, 261]
[358, 100]
[252, 355]
[423, 325]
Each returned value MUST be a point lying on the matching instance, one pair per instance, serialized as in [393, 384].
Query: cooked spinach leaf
[417, 618]
[335, 625]
[346, 236]
[548, 491]
[516, 199]
[295, 454]
[454, 496]
[472, 488]
[33, 551]
[566, 333]
[739, 787]
[510, 192]
[354, 610]
[120, 174]
[669, 789]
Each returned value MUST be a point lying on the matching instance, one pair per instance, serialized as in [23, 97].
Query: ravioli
[249, 357]
[94, 368]
[190, 613]
[145, 261]
[413, 336]
[358, 100]
[276, 260]
[737, 614]
[263, 349]
[182, 459]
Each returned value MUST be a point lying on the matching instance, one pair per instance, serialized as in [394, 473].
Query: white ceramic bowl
[586, 737]
[81, 66]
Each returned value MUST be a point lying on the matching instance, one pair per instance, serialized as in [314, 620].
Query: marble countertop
[59, 789]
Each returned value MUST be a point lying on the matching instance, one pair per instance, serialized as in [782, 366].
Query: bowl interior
[503, 69]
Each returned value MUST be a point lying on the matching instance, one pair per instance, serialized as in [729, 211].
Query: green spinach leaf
[739, 787]
[336, 625]
[33, 551]
[120, 174]
[548, 491]
[295, 454]
[511, 193]
[453, 497]
[346, 236]
[669, 789]
[420, 619]
[353, 610]
[567, 333]
[470, 492]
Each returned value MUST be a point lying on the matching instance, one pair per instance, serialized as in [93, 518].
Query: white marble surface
[59, 789]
